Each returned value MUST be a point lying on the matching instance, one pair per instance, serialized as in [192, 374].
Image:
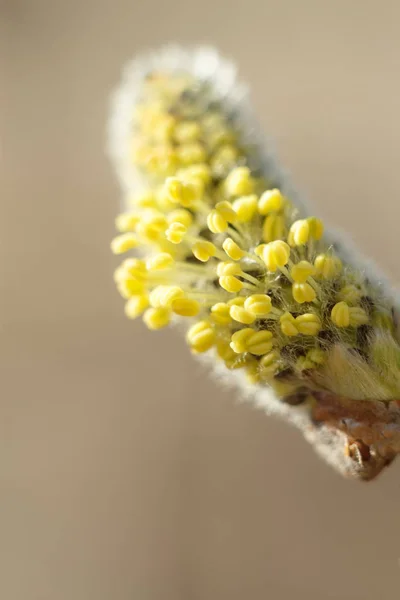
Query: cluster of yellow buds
[223, 246]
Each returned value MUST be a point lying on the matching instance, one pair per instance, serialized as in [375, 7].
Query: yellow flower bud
[126, 222]
[269, 363]
[245, 208]
[201, 336]
[316, 228]
[259, 305]
[175, 233]
[226, 353]
[288, 324]
[182, 192]
[239, 182]
[203, 250]
[185, 307]
[327, 267]
[160, 262]
[270, 201]
[299, 233]
[165, 295]
[216, 222]
[350, 294]
[181, 216]
[239, 340]
[302, 271]
[239, 314]
[220, 313]
[191, 152]
[273, 228]
[230, 284]
[260, 342]
[124, 242]
[187, 131]
[303, 292]
[309, 324]
[340, 314]
[225, 209]
[156, 318]
[358, 316]
[228, 268]
[275, 254]
[232, 249]
[136, 305]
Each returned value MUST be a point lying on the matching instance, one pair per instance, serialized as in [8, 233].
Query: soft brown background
[125, 473]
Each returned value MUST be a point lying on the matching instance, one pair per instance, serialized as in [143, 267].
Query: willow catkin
[226, 248]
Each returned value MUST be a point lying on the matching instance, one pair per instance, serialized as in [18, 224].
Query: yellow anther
[270, 201]
[340, 314]
[238, 301]
[228, 268]
[160, 261]
[165, 295]
[230, 284]
[308, 324]
[157, 318]
[299, 233]
[255, 342]
[327, 267]
[175, 233]
[245, 208]
[303, 292]
[225, 352]
[216, 222]
[220, 313]
[316, 228]
[182, 192]
[134, 267]
[302, 271]
[199, 172]
[187, 131]
[220, 135]
[224, 159]
[130, 286]
[161, 161]
[126, 222]
[181, 216]
[124, 242]
[273, 228]
[144, 199]
[136, 305]
[232, 249]
[201, 336]
[225, 209]
[358, 316]
[185, 307]
[239, 182]
[350, 294]
[241, 315]
[190, 153]
[259, 305]
[239, 340]
[317, 356]
[288, 324]
[203, 250]
[304, 364]
[275, 254]
[269, 363]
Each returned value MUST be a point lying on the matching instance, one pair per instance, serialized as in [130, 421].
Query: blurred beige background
[125, 473]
